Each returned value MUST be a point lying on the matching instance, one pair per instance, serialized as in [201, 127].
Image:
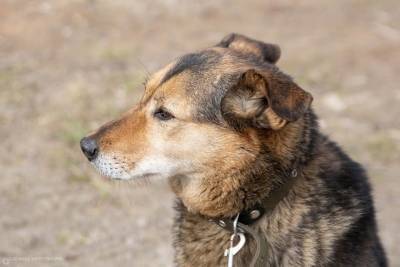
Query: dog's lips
[135, 177]
[119, 167]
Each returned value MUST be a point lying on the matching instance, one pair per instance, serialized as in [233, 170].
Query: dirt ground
[67, 66]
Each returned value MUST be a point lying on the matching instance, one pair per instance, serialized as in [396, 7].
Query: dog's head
[203, 123]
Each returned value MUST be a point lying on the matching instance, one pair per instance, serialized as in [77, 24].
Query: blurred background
[67, 66]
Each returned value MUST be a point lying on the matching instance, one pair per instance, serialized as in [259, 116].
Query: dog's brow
[194, 62]
[159, 98]
[148, 93]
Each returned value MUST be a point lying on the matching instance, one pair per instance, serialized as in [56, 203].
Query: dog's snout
[89, 148]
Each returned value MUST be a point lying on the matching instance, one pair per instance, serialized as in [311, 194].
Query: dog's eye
[163, 115]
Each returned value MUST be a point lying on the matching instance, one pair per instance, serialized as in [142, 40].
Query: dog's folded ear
[267, 100]
[266, 52]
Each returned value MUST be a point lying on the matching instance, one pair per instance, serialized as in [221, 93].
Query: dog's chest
[199, 242]
[202, 243]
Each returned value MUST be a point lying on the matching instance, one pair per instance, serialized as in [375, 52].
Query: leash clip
[234, 249]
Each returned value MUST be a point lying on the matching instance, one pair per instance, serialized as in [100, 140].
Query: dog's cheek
[188, 142]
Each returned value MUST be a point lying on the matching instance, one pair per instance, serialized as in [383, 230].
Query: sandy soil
[68, 66]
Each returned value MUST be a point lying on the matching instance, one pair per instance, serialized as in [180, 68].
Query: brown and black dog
[234, 135]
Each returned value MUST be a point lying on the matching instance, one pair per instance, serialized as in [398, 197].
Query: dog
[239, 144]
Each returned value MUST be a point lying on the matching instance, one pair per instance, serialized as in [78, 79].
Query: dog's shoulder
[343, 205]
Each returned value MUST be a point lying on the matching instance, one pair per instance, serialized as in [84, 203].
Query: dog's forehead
[202, 77]
[195, 66]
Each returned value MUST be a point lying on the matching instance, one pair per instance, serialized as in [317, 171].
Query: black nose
[89, 148]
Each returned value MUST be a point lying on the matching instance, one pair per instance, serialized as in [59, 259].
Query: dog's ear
[267, 100]
[266, 52]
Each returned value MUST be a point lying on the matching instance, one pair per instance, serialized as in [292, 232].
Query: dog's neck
[251, 215]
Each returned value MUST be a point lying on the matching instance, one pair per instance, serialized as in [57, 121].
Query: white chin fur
[111, 166]
[116, 167]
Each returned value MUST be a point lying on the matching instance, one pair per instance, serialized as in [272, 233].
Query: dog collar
[246, 217]
[252, 215]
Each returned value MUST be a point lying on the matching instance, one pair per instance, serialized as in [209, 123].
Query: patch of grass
[62, 238]
[115, 54]
[79, 178]
[8, 75]
[383, 148]
[66, 237]
[124, 91]
[104, 188]
[72, 132]
[134, 83]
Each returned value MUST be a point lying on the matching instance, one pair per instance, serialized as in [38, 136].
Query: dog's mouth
[136, 177]
[117, 167]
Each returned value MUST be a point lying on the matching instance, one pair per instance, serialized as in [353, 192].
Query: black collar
[250, 216]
